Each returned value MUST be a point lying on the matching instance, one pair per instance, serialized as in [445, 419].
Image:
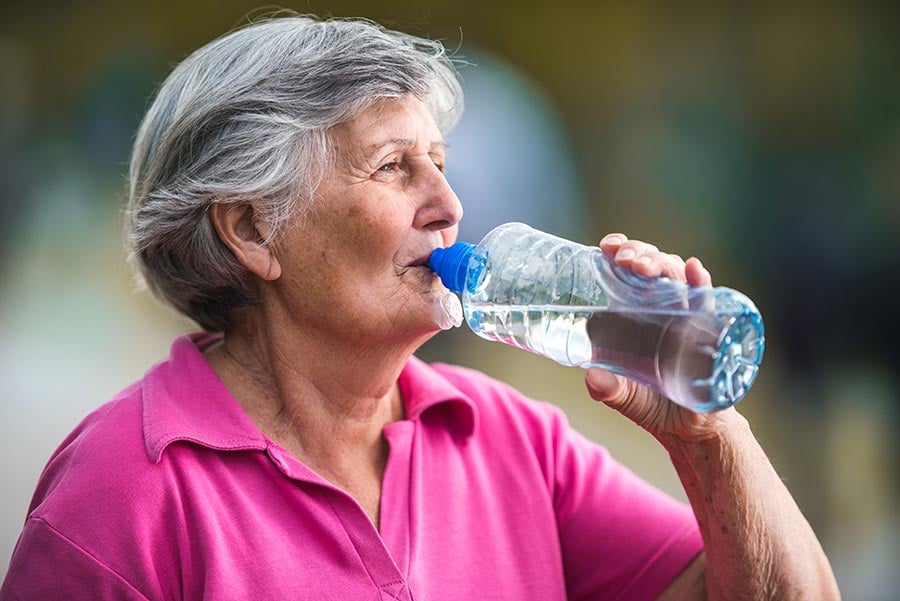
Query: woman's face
[356, 264]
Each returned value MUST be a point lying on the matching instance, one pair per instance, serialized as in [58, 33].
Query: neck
[325, 399]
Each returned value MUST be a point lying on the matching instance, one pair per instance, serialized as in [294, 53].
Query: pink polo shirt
[171, 492]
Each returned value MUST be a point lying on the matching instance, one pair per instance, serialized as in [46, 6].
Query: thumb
[623, 395]
[606, 387]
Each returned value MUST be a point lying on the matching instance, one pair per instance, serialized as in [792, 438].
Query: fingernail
[625, 254]
[612, 239]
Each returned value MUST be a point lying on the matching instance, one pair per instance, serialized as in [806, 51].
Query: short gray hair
[246, 119]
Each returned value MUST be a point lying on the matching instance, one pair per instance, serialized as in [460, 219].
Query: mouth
[421, 268]
[422, 261]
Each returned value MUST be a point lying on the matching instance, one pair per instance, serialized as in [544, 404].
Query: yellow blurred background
[763, 138]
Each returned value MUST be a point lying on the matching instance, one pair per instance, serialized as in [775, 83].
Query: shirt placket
[385, 555]
[395, 493]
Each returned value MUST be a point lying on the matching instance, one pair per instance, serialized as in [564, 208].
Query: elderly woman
[287, 188]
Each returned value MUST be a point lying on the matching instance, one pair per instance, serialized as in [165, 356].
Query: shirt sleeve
[621, 538]
[46, 565]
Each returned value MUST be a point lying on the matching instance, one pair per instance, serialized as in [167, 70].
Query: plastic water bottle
[698, 346]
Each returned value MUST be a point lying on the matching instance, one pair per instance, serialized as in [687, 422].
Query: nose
[440, 208]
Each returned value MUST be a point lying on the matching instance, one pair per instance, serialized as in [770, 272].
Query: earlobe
[238, 230]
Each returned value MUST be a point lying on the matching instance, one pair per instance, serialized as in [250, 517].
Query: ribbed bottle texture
[699, 346]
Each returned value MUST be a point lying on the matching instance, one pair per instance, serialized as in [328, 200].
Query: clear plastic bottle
[699, 346]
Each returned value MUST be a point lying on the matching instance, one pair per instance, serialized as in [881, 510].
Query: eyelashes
[395, 165]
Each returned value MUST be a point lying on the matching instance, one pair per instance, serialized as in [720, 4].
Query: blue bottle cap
[451, 264]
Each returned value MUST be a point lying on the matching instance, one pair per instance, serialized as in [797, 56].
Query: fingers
[696, 273]
[612, 242]
[647, 260]
[655, 264]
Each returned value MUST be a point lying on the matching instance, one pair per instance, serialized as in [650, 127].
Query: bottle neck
[452, 264]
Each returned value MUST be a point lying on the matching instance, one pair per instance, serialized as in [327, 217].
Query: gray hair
[246, 119]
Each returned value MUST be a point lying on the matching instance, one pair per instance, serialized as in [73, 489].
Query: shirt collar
[184, 399]
[424, 390]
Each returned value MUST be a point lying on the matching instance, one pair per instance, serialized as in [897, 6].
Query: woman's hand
[647, 408]
[757, 544]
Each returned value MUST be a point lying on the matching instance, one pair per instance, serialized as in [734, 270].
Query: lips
[422, 261]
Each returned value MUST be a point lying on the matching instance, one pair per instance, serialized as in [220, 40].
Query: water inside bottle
[698, 359]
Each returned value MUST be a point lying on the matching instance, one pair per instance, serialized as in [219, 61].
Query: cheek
[372, 237]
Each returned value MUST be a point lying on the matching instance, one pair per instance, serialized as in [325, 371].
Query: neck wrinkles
[314, 397]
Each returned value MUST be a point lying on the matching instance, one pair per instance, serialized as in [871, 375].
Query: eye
[389, 166]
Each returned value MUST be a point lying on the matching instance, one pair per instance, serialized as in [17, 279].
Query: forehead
[404, 121]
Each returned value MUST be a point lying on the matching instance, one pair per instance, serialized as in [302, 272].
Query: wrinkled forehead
[402, 121]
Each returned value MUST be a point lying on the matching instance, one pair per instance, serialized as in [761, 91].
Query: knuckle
[643, 247]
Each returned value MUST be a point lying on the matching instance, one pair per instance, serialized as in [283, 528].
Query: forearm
[758, 544]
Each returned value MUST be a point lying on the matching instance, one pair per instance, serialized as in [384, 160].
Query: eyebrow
[405, 143]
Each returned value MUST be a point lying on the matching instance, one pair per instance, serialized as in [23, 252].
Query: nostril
[440, 225]
[440, 215]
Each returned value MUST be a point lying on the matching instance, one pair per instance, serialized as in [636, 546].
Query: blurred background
[763, 138]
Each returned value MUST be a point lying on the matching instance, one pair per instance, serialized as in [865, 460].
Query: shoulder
[105, 436]
[103, 507]
[100, 473]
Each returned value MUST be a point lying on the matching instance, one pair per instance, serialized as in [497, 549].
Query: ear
[239, 231]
